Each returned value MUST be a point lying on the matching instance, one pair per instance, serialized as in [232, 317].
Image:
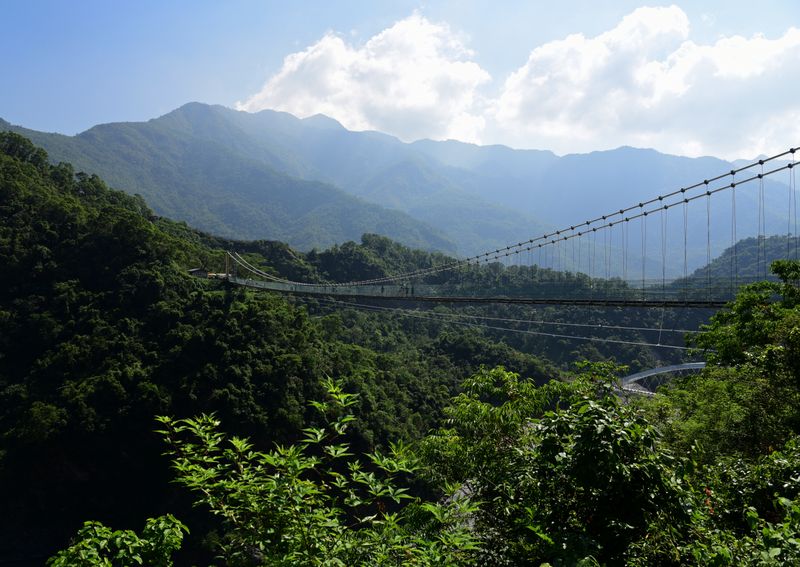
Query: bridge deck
[432, 294]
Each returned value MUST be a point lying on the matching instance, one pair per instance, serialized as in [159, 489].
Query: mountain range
[312, 183]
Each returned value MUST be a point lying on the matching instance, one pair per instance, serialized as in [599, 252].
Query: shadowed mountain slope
[206, 174]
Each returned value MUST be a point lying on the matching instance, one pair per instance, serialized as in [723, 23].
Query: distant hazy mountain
[371, 165]
[205, 173]
[485, 196]
[239, 174]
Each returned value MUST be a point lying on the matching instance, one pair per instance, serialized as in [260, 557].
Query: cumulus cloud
[643, 83]
[414, 80]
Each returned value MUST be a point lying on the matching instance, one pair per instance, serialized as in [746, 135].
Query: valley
[102, 329]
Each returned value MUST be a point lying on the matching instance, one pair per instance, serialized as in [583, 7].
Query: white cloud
[643, 83]
[412, 80]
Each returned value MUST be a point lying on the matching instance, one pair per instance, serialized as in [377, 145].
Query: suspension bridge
[685, 248]
[612, 260]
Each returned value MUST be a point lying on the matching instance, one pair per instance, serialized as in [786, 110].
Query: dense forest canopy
[101, 329]
[287, 422]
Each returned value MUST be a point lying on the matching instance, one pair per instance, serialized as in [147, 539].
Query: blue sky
[700, 77]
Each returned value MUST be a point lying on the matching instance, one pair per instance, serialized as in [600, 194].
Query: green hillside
[211, 182]
[101, 329]
[309, 182]
[750, 259]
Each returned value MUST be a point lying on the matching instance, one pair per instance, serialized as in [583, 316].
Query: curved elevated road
[627, 380]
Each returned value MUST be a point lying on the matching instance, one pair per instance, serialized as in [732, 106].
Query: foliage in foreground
[98, 545]
[562, 474]
[304, 504]
[310, 503]
[552, 465]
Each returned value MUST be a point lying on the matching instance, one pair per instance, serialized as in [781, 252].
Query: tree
[564, 473]
[23, 149]
[745, 402]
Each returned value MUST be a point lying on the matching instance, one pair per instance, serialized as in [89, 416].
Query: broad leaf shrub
[745, 404]
[312, 503]
[98, 545]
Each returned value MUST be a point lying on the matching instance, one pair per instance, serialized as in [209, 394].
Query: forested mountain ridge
[211, 182]
[216, 168]
[370, 165]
